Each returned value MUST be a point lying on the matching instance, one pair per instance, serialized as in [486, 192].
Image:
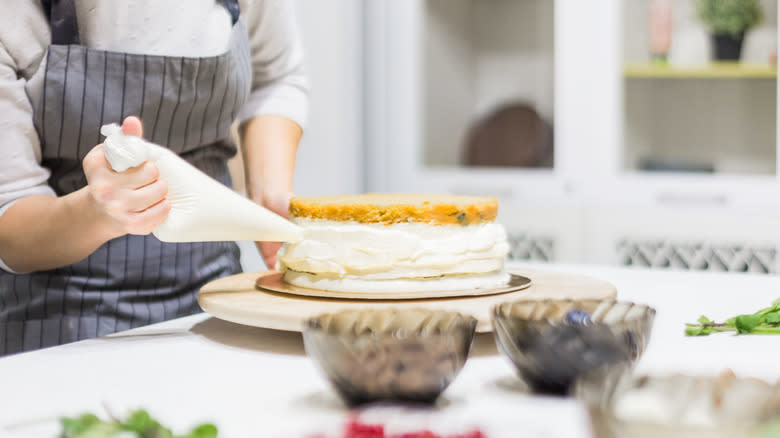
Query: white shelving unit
[432, 69]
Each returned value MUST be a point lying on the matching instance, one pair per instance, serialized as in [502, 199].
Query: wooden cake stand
[236, 299]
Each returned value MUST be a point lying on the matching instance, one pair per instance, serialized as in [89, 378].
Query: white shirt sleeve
[279, 84]
[21, 173]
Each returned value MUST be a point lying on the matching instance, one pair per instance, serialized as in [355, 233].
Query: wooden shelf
[715, 70]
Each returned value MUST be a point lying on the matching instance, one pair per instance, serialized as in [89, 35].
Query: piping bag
[202, 209]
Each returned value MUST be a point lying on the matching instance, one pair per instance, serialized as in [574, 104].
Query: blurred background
[636, 133]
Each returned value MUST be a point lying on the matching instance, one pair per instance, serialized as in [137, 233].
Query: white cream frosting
[356, 284]
[413, 256]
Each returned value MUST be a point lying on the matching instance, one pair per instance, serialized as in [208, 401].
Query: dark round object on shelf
[514, 135]
[727, 47]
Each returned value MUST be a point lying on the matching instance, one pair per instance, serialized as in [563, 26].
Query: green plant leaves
[772, 318]
[72, 427]
[746, 323]
[697, 330]
[203, 431]
[730, 16]
[764, 321]
[139, 421]
[139, 424]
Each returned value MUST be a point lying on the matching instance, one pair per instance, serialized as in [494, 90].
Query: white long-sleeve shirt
[193, 28]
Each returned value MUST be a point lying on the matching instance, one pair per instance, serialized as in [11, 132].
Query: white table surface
[255, 383]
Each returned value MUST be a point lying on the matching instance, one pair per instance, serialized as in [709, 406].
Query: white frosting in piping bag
[411, 252]
[202, 209]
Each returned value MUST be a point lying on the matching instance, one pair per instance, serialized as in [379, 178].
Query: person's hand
[130, 202]
[279, 203]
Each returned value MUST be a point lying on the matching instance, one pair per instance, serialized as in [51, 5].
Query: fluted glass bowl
[679, 406]
[390, 354]
[550, 348]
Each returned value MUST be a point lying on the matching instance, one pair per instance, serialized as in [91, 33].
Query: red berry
[355, 429]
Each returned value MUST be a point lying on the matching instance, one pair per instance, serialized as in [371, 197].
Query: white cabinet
[683, 238]
[675, 154]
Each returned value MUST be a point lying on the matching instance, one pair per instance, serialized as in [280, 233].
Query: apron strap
[233, 9]
[65, 27]
[62, 20]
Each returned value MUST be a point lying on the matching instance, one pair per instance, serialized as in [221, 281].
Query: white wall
[330, 159]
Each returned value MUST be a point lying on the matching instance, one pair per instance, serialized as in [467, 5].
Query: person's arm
[272, 119]
[45, 232]
[270, 144]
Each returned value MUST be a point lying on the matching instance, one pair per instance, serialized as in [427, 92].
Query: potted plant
[727, 21]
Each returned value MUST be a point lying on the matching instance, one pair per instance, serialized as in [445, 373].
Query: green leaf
[203, 431]
[746, 323]
[71, 427]
[764, 321]
[704, 320]
[693, 331]
[772, 318]
[100, 430]
[697, 330]
[160, 432]
[139, 421]
[145, 426]
[138, 424]
[770, 309]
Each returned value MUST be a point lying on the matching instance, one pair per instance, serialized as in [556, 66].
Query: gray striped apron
[187, 104]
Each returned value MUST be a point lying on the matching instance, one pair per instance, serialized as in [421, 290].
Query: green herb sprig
[139, 424]
[766, 321]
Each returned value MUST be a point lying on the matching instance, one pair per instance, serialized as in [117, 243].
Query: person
[76, 253]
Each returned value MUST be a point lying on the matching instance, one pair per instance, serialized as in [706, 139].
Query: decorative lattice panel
[534, 248]
[697, 256]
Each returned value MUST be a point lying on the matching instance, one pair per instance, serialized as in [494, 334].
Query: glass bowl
[390, 354]
[679, 406]
[551, 347]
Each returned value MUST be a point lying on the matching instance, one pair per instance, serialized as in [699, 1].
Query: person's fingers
[97, 167]
[95, 160]
[147, 196]
[103, 187]
[268, 251]
[139, 176]
[146, 221]
[132, 126]
[133, 200]
[278, 202]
